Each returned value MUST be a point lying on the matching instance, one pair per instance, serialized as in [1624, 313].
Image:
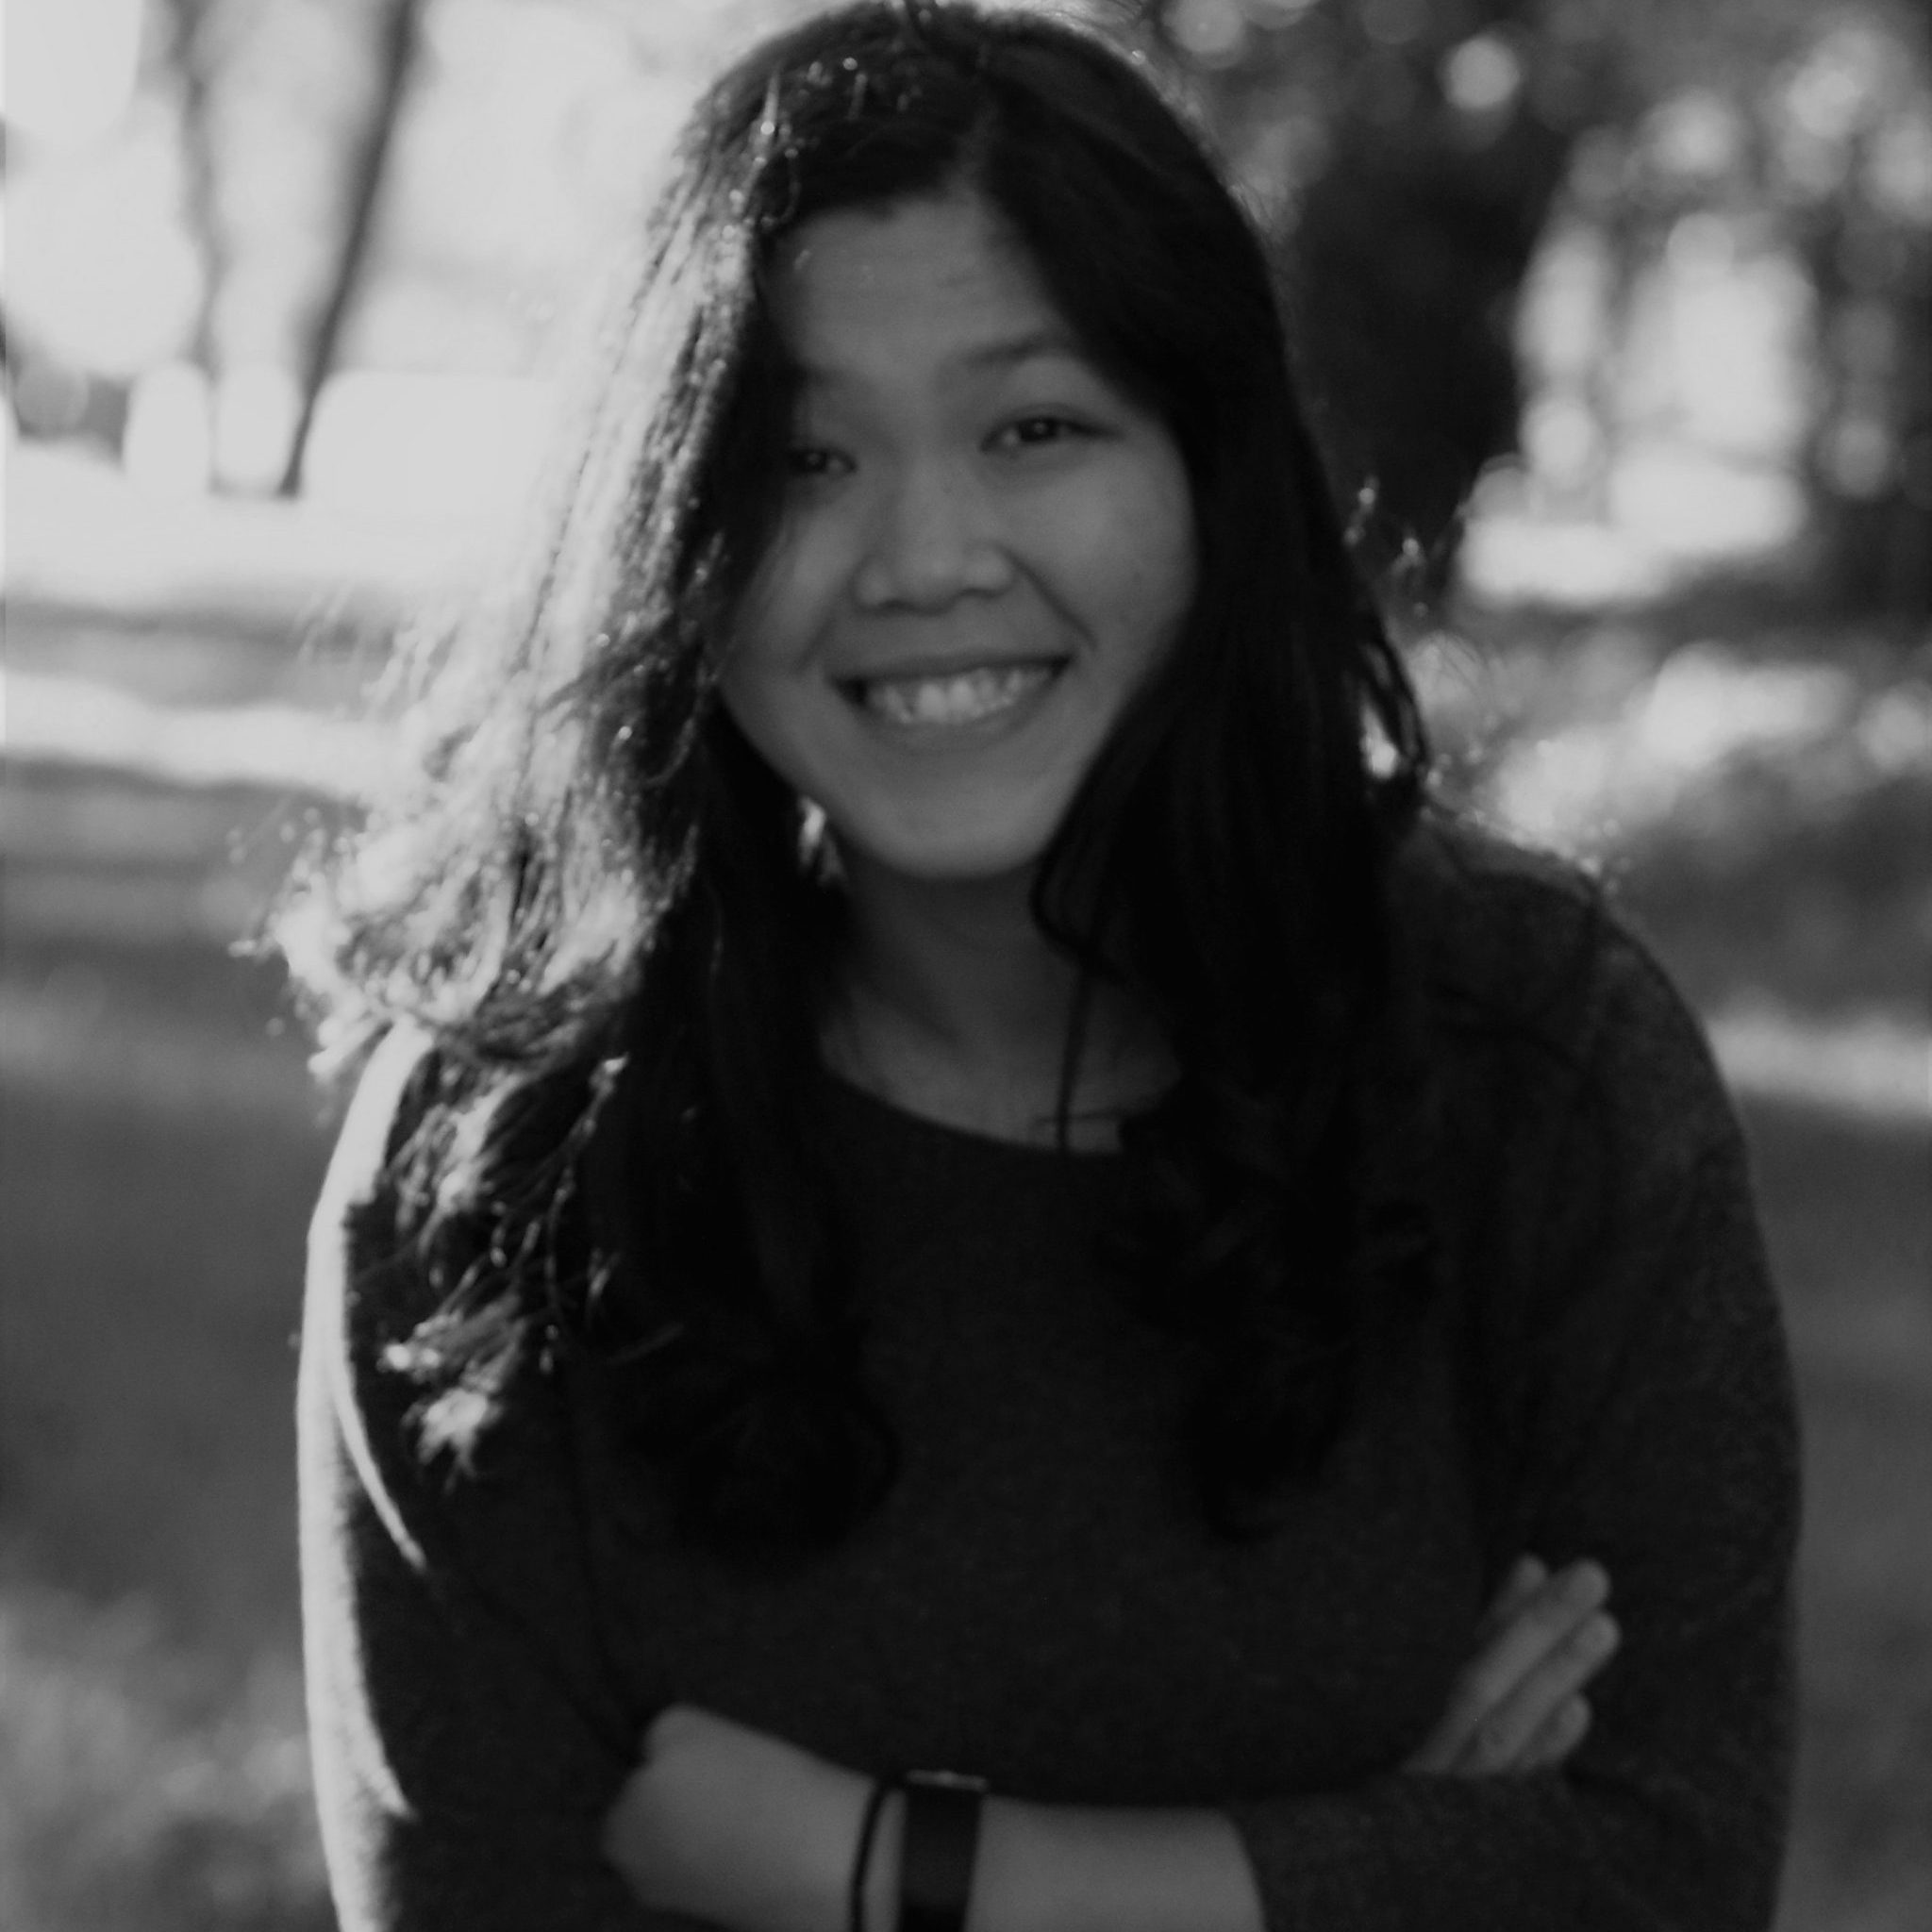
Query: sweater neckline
[939, 1137]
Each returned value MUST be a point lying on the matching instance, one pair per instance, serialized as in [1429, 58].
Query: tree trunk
[1405, 267]
[1402, 254]
[401, 34]
[195, 62]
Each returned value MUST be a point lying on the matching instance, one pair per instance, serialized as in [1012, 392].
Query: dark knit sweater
[1600, 1372]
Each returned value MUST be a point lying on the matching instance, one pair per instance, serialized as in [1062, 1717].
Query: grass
[150, 1791]
[157, 1156]
[1848, 1214]
[159, 1151]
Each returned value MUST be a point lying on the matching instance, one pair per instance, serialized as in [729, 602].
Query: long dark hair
[597, 899]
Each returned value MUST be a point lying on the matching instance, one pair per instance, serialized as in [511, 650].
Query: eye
[812, 463]
[1039, 431]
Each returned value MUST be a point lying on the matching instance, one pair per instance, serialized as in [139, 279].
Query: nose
[933, 538]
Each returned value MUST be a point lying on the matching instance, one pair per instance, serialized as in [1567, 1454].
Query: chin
[970, 868]
[983, 859]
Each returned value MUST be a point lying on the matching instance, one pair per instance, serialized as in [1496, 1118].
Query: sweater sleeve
[1643, 1395]
[465, 1745]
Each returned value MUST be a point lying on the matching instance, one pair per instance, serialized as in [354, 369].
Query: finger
[1503, 1737]
[1562, 1732]
[1525, 1576]
[1544, 1612]
[1554, 1613]
[1528, 1575]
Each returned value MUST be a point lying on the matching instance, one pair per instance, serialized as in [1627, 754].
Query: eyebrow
[1038, 341]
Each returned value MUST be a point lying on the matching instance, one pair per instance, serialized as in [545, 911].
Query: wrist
[849, 1799]
[1077, 1868]
[916, 1854]
[883, 1866]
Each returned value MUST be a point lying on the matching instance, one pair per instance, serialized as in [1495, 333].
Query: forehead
[925, 285]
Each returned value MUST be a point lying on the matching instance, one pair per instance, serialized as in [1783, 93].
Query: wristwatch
[938, 1844]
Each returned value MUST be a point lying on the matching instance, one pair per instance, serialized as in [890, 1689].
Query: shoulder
[1573, 1086]
[389, 1409]
[1588, 1168]
[355, 1230]
[1506, 927]
[1522, 946]
[428, 1290]
[430, 1577]
[385, 1104]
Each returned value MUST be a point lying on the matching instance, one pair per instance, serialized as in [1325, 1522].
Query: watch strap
[940, 1841]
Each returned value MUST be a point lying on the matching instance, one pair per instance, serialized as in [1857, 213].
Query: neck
[952, 1004]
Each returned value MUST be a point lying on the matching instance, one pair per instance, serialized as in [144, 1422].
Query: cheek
[791, 595]
[1151, 566]
[757, 666]
[1165, 578]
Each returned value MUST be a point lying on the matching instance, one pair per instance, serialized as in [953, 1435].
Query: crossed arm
[745, 1831]
[467, 1746]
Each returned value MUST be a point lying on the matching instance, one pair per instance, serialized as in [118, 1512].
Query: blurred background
[1618, 319]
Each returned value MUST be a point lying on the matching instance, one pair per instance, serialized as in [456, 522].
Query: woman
[959, 1175]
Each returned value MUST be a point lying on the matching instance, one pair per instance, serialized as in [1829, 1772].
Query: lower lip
[937, 732]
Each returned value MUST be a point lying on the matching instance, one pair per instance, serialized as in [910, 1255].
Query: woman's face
[985, 547]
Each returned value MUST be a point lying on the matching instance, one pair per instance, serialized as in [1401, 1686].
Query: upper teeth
[958, 700]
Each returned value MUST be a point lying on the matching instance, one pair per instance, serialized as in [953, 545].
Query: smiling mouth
[963, 698]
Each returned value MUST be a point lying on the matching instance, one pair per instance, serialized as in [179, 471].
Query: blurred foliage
[1415, 157]
[1414, 152]
[1757, 788]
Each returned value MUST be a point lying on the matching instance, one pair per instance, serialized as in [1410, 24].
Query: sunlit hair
[598, 899]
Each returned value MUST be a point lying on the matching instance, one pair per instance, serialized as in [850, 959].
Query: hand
[735, 1828]
[1519, 1704]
